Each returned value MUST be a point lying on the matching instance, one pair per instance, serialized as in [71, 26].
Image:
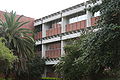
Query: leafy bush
[6, 53]
[6, 58]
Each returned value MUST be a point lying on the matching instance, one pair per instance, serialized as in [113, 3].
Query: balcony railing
[54, 46]
[38, 35]
[54, 31]
[76, 26]
[55, 53]
[94, 20]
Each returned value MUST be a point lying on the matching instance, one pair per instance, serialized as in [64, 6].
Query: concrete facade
[61, 26]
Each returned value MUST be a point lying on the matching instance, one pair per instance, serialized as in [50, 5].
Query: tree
[36, 68]
[68, 67]
[19, 40]
[6, 58]
[100, 50]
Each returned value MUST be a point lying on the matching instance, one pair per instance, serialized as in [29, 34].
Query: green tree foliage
[19, 40]
[97, 56]
[67, 67]
[6, 53]
[36, 68]
[6, 58]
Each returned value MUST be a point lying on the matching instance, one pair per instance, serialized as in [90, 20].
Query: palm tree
[19, 40]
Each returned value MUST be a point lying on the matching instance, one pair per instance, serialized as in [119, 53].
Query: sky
[37, 8]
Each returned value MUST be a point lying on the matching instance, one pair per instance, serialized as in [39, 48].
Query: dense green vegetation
[6, 58]
[6, 53]
[96, 55]
[36, 68]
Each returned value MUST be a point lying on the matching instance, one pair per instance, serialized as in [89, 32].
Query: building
[53, 31]
[29, 25]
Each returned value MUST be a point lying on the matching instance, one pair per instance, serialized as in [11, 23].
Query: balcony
[54, 31]
[76, 26]
[55, 53]
[38, 35]
[53, 50]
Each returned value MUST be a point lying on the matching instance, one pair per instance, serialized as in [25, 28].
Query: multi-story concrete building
[53, 31]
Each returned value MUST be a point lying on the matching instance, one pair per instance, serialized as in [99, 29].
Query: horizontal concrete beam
[51, 40]
[52, 62]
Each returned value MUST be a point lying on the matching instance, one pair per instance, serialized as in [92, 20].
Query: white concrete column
[89, 16]
[45, 71]
[43, 50]
[44, 28]
[62, 48]
[65, 21]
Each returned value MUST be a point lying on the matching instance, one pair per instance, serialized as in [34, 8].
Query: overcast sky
[37, 8]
